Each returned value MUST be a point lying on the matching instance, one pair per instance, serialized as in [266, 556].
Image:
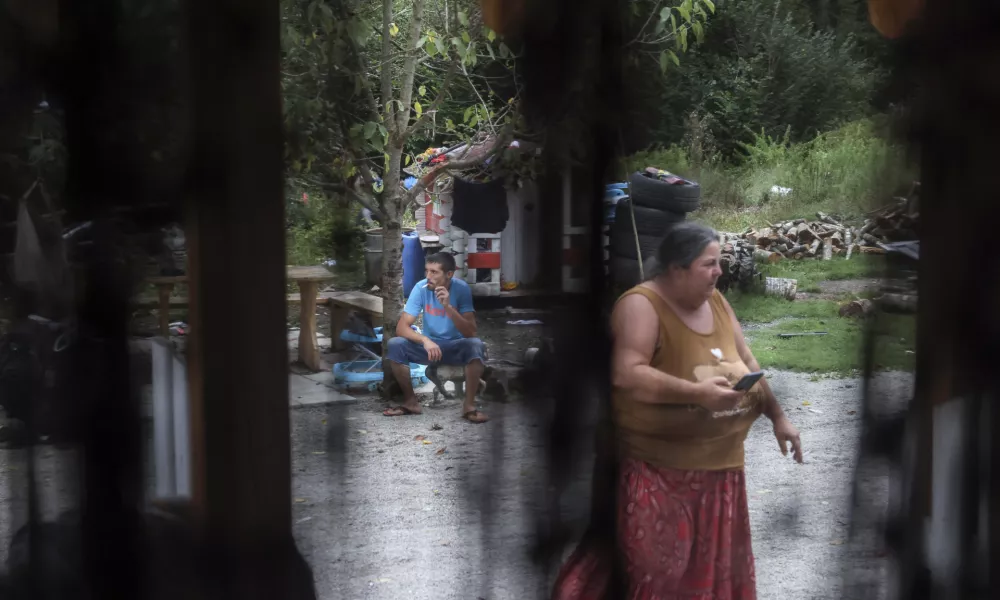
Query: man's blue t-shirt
[437, 325]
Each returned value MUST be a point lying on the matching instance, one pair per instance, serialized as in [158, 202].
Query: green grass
[756, 308]
[837, 353]
[809, 272]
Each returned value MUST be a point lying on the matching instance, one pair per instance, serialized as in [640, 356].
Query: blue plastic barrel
[413, 261]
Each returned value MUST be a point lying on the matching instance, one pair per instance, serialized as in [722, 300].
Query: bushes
[763, 67]
[322, 228]
[845, 171]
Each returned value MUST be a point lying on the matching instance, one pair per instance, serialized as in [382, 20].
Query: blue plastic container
[347, 336]
[612, 196]
[616, 186]
[368, 373]
[413, 262]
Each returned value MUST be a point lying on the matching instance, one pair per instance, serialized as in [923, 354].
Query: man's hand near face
[443, 296]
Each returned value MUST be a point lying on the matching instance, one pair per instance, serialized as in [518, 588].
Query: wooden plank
[176, 302]
[292, 273]
[308, 274]
[356, 301]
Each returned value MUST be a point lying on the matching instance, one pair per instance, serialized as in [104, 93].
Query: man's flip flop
[474, 416]
[398, 411]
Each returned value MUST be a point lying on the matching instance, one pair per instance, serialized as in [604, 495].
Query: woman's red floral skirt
[681, 535]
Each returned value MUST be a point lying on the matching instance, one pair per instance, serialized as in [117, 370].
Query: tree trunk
[392, 282]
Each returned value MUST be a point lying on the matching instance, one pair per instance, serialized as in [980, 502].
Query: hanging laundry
[479, 207]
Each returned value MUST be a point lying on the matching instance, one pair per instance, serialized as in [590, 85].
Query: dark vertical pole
[956, 129]
[239, 358]
[100, 175]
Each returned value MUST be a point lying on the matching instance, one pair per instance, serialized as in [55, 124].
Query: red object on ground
[483, 260]
[683, 535]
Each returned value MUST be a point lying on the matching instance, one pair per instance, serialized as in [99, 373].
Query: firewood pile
[828, 236]
[739, 267]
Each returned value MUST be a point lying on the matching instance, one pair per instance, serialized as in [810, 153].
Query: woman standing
[683, 527]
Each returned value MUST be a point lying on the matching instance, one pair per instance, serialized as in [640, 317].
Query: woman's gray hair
[682, 245]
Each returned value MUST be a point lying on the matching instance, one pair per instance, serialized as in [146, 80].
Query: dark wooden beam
[238, 357]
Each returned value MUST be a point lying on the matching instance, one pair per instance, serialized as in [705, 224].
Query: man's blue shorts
[453, 352]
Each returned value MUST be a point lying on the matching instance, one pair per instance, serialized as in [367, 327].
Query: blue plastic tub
[347, 336]
[368, 373]
[616, 186]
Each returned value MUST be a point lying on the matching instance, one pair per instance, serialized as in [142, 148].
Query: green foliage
[661, 32]
[847, 171]
[673, 159]
[320, 229]
[764, 66]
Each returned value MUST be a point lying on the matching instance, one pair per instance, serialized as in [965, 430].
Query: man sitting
[449, 335]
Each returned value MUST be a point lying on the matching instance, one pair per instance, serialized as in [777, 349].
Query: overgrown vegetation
[847, 171]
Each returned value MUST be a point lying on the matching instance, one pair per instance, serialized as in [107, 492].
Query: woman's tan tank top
[683, 436]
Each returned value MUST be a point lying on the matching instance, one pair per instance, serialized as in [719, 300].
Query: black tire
[650, 224]
[653, 193]
[624, 272]
[624, 246]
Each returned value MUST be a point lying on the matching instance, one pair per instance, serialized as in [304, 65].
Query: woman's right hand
[717, 395]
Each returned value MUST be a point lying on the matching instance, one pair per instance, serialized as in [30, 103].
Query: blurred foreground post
[238, 356]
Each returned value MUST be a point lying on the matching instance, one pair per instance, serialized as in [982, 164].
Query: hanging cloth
[479, 207]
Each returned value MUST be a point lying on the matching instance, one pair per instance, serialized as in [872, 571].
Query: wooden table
[308, 280]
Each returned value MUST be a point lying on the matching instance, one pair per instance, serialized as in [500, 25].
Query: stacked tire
[657, 205]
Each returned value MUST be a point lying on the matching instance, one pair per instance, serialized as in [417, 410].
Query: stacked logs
[828, 236]
[739, 268]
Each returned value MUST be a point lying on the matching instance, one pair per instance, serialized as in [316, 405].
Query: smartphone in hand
[748, 381]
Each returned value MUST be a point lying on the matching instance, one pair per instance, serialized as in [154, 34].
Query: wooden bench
[308, 280]
[342, 303]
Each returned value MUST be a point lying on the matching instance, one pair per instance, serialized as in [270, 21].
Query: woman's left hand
[788, 434]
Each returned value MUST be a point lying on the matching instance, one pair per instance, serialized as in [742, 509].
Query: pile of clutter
[829, 236]
[639, 214]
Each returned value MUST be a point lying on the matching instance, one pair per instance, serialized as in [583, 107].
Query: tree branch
[481, 101]
[646, 24]
[422, 119]
[354, 193]
[386, 75]
[501, 142]
[409, 70]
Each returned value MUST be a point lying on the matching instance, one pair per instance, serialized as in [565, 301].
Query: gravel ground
[411, 530]
[381, 514]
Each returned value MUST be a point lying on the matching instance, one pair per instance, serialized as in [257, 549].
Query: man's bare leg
[402, 375]
[473, 375]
